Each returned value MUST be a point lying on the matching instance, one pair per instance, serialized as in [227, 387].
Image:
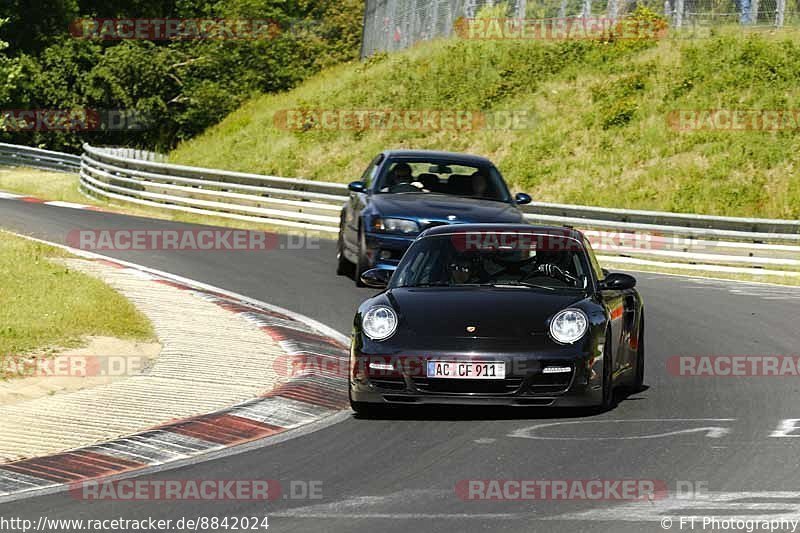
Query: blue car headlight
[400, 226]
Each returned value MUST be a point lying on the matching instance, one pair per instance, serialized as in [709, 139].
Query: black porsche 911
[497, 314]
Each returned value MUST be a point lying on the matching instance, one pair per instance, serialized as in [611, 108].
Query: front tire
[363, 409]
[343, 266]
[362, 264]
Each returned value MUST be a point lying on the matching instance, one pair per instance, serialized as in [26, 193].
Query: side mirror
[521, 198]
[357, 186]
[617, 281]
[377, 278]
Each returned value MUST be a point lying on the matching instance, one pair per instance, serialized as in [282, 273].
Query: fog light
[386, 254]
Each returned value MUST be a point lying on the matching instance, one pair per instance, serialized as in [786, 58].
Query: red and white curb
[297, 402]
[34, 200]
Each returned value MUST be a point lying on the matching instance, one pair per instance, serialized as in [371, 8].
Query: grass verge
[47, 305]
[787, 281]
[603, 131]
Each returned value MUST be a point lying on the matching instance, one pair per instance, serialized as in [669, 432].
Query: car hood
[494, 311]
[440, 207]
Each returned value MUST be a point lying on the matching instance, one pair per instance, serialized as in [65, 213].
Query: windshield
[494, 260]
[443, 177]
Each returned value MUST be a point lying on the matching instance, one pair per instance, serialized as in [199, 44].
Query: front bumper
[525, 383]
[385, 249]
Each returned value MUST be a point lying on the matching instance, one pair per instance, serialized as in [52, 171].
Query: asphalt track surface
[399, 474]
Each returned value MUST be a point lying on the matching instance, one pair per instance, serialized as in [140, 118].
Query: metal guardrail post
[586, 10]
[753, 13]
[613, 9]
[780, 10]
[522, 9]
[113, 174]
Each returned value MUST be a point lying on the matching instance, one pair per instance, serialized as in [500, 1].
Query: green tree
[33, 25]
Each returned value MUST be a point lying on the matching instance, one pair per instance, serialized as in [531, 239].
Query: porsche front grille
[467, 386]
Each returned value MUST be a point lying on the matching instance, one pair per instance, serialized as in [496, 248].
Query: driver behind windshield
[480, 185]
[462, 271]
[401, 177]
[441, 260]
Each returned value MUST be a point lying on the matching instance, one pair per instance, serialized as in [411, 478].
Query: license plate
[466, 370]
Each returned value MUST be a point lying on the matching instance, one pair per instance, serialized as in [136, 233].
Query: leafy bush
[178, 88]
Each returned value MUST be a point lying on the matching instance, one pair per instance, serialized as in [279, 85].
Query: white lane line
[70, 205]
[710, 431]
[762, 291]
[689, 266]
[695, 277]
[387, 507]
[9, 195]
[724, 505]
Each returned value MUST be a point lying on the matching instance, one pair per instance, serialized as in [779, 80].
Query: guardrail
[746, 245]
[24, 156]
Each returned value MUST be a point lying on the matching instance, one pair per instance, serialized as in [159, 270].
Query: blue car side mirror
[522, 198]
[357, 186]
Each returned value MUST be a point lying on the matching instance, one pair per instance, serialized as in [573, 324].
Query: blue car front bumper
[385, 250]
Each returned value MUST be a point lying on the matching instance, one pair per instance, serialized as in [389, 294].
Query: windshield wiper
[481, 198]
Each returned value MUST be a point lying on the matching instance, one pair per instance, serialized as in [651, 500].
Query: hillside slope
[601, 133]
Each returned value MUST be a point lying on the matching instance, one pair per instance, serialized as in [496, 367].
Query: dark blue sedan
[404, 192]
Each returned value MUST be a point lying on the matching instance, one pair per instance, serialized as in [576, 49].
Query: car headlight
[379, 322]
[569, 325]
[395, 225]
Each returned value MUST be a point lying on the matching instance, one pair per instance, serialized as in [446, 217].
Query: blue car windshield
[547, 262]
[428, 176]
